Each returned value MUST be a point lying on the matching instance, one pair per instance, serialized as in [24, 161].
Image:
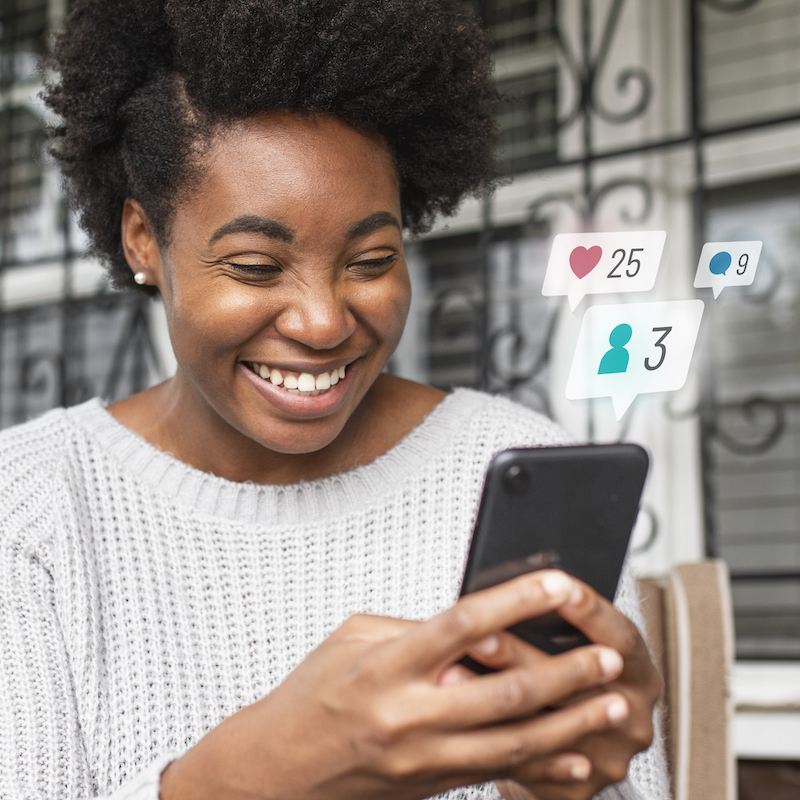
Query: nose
[320, 318]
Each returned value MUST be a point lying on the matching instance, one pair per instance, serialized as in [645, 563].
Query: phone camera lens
[516, 479]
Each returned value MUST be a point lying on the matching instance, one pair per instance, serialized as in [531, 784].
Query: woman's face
[284, 280]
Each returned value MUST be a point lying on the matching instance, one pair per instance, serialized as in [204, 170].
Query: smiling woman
[242, 582]
[286, 258]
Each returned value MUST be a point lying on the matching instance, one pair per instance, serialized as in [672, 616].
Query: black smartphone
[571, 508]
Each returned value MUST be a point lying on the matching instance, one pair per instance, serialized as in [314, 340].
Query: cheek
[389, 308]
[207, 321]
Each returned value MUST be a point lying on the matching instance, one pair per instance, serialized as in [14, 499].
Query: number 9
[743, 261]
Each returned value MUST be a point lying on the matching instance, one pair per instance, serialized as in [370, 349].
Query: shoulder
[32, 457]
[501, 423]
[34, 444]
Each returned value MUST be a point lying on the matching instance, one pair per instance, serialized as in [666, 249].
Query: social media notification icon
[602, 263]
[628, 349]
[727, 264]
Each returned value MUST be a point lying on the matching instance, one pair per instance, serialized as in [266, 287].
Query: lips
[298, 398]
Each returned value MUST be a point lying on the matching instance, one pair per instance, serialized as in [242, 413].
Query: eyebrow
[254, 224]
[371, 223]
[277, 230]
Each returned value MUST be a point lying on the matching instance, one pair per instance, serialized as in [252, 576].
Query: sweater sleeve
[42, 746]
[42, 751]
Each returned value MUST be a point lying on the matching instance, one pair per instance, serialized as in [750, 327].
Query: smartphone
[571, 508]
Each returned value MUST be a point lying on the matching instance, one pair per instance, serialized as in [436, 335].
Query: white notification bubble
[602, 263]
[628, 349]
[727, 264]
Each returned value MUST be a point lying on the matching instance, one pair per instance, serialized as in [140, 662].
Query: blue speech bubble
[719, 263]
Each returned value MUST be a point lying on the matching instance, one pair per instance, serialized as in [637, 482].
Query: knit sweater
[143, 601]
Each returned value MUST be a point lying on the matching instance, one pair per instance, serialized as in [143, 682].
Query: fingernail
[617, 710]
[453, 676]
[555, 584]
[576, 595]
[610, 662]
[487, 646]
[580, 771]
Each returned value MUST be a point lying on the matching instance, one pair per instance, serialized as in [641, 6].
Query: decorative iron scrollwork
[749, 410]
[586, 76]
[41, 375]
[602, 193]
[514, 374]
[649, 512]
[537, 224]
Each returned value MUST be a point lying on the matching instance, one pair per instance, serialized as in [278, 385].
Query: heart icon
[583, 261]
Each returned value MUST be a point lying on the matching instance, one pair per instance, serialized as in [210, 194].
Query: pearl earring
[140, 278]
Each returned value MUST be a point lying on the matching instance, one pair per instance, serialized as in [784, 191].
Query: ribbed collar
[206, 494]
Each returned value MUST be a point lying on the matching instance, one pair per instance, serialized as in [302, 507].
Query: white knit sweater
[143, 601]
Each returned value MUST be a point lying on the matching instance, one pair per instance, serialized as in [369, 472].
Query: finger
[602, 623]
[505, 650]
[447, 636]
[497, 751]
[521, 691]
[373, 628]
[559, 768]
[455, 674]
[502, 650]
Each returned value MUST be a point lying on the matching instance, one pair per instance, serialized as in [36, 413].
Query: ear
[139, 243]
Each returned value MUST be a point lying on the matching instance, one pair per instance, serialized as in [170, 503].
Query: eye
[374, 264]
[254, 270]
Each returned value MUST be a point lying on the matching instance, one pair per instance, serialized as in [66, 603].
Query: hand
[599, 759]
[373, 712]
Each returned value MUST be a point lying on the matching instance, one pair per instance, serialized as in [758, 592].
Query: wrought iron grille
[486, 322]
[744, 434]
[64, 336]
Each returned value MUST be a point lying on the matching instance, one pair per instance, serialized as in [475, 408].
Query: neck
[171, 417]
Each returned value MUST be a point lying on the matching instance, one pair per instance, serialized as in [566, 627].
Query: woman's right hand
[372, 713]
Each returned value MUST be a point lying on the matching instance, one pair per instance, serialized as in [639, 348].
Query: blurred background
[628, 114]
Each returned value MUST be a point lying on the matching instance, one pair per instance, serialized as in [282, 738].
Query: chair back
[689, 622]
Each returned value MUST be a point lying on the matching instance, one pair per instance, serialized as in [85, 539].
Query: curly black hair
[143, 83]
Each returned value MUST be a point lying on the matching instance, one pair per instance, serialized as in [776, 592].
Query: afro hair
[143, 83]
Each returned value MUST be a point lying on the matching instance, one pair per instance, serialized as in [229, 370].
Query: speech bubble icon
[727, 264]
[720, 263]
[600, 263]
[628, 349]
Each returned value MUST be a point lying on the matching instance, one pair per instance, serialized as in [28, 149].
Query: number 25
[631, 262]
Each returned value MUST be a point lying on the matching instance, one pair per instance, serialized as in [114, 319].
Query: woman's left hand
[598, 759]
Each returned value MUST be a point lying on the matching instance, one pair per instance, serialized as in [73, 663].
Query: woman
[181, 572]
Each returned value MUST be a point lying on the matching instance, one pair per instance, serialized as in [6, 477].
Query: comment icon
[624, 350]
[727, 264]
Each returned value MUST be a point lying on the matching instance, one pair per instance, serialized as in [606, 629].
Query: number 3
[662, 347]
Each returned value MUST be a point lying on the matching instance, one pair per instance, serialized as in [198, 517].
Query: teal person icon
[616, 359]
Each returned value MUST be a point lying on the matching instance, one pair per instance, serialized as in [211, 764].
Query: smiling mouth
[303, 383]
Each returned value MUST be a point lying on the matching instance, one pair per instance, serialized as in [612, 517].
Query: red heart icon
[583, 261]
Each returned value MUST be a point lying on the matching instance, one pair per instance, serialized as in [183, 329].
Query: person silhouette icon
[616, 359]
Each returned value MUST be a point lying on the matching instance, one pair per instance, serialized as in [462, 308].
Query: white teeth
[306, 382]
